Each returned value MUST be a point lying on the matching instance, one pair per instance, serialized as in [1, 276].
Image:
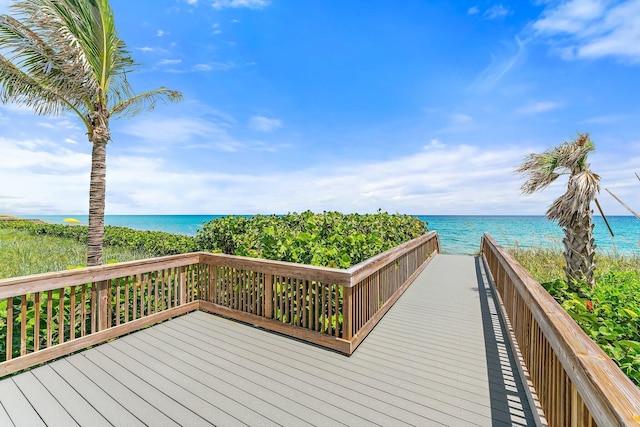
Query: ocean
[459, 234]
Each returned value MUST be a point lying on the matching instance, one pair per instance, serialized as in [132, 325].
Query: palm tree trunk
[580, 248]
[97, 190]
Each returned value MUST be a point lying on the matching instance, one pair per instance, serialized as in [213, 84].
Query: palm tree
[60, 56]
[572, 210]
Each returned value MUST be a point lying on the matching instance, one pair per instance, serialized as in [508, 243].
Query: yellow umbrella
[71, 220]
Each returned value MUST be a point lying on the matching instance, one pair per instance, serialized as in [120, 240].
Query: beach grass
[546, 264]
[23, 254]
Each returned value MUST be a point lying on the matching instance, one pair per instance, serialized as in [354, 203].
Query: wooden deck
[438, 357]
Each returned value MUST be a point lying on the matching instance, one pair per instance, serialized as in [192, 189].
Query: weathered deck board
[438, 357]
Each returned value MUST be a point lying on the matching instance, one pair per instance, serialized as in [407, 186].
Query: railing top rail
[47, 281]
[282, 268]
[369, 266]
[609, 394]
[348, 278]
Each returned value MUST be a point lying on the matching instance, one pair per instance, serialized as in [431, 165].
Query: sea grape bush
[608, 313]
[330, 239]
[155, 243]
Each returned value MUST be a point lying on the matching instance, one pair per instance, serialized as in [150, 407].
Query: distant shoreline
[16, 218]
[459, 234]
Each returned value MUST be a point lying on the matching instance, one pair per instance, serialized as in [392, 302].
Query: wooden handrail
[289, 269]
[16, 286]
[588, 384]
[367, 267]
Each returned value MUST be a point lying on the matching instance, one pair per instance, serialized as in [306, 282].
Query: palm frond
[145, 102]
[50, 65]
[581, 191]
[20, 88]
[66, 54]
[541, 169]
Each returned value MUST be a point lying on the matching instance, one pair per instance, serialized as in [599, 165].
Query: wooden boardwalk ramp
[439, 357]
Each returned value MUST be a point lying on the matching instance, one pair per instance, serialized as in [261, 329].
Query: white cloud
[250, 4]
[570, 16]
[163, 132]
[604, 120]
[459, 118]
[439, 178]
[473, 10]
[192, 1]
[591, 29]
[500, 66]
[537, 107]
[496, 11]
[212, 66]
[17, 108]
[264, 124]
[170, 62]
[40, 176]
[146, 49]
[161, 33]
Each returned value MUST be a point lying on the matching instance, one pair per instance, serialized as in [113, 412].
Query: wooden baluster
[183, 286]
[316, 305]
[36, 324]
[9, 342]
[156, 295]
[49, 317]
[170, 278]
[137, 279]
[118, 309]
[72, 312]
[83, 309]
[23, 326]
[61, 315]
[306, 304]
[127, 287]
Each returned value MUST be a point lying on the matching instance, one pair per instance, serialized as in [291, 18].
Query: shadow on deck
[438, 357]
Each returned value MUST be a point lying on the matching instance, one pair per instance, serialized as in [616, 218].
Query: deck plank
[129, 400]
[185, 396]
[105, 404]
[75, 405]
[43, 402]
[17, 408]
[228, 372]
[438, 357]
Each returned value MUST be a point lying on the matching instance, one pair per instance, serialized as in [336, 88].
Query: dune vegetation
[608, 312]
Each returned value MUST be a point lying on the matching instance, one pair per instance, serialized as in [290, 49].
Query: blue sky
[411, 106]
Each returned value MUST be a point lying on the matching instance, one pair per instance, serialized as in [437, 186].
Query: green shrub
[155, 243]
[330, 239]
[608, 313]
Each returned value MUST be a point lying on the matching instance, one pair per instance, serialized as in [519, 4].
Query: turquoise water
[458, 234]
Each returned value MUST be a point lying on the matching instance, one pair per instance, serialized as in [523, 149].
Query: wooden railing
[330, 307]
[576, 382]
[46, 316]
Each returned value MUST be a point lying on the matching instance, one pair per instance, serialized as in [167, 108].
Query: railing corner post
[103, 305]
[347, 313]
[183, 286]
[268, 296]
